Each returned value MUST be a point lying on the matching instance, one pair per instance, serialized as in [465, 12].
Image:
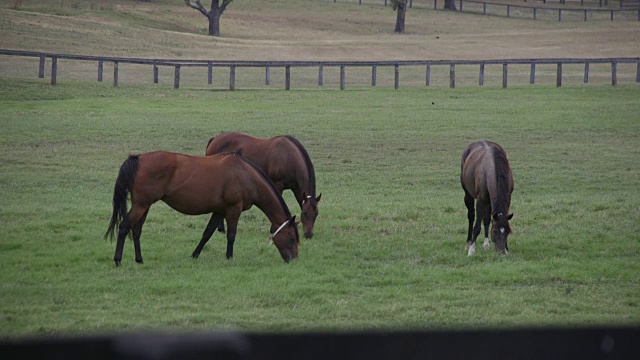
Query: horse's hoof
[472, 250]
[139, 261]
[117, 262]
[194, 255]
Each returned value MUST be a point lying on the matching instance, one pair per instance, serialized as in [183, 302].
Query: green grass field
[388, 251]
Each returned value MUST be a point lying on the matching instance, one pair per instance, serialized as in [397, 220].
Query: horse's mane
[307, 160]
[502, 179]
[266, 178]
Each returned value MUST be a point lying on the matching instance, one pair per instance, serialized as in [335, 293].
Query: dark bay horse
[224, 185]
[284, 160]
[486, 177]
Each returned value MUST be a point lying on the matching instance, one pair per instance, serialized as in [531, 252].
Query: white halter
[278, 230]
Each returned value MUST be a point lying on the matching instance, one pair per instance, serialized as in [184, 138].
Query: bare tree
[400, 7]
[213, 14]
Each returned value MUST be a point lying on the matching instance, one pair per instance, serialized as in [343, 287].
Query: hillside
[298, 30]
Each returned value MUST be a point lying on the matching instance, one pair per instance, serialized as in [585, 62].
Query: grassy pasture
[389, 246]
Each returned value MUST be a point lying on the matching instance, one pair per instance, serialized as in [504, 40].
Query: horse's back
[478, 168]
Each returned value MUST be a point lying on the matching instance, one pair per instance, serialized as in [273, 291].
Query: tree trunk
[214, 23]
[450, 5]
[401, 13]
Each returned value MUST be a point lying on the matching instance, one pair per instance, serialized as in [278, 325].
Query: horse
[224, 185]
[486, 177]
[284, 160]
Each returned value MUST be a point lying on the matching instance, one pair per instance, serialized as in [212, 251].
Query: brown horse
[224, 185]
[486, 176]
[284, 160]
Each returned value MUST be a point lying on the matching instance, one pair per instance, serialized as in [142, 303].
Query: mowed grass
[388, 252]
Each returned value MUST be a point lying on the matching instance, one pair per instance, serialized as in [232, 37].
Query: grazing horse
[224, 185]
[284, 160]
[486, 177]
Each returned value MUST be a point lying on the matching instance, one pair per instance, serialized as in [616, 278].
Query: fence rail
[427, 65]
[588, 10]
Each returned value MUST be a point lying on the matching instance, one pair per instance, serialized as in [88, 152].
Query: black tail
[123, 187]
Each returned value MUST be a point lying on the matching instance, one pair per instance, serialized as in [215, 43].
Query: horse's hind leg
[214, 222]
[232, 225]
[135, 214]
[487, 222]
[137, 231]
[469, 202]
[123, 231]
[221, 227]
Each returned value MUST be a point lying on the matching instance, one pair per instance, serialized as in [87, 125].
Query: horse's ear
[318, 198]
[510, 216]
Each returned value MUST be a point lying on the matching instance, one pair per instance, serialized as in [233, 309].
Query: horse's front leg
[487, 222]
[476, 229]
[214, 222]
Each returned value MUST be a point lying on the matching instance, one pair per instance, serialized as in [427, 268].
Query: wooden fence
[427, 65]
[592, 10]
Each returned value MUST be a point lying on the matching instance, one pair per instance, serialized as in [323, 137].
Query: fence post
[559, 76]
[559, 14]
[452, 75]
[267, 75]
[396, 82]
[504, 76]
[428, 77]
[287, 77]
[100, 69]
[41, 67]
[232, 77]
[585, 15]
[586, 72]
[508, 11]
[638, 71]
[532, 75]
[435, 4]
[155, 72]
[534, 13]
[614, 75]
[484, 8]
[321, 75]
[611, 15]
[176, 78]
[115, 74]
[54, 70]
[342, 77]
[481, 81]
[210, 73]
[460, 5]
[374, 71]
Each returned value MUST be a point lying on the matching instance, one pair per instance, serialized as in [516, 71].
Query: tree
[213, 14]
[400, 7]
[450, 5]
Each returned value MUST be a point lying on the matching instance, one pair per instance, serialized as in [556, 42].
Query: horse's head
[500, 230]
[309, 213]
[286, 239]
